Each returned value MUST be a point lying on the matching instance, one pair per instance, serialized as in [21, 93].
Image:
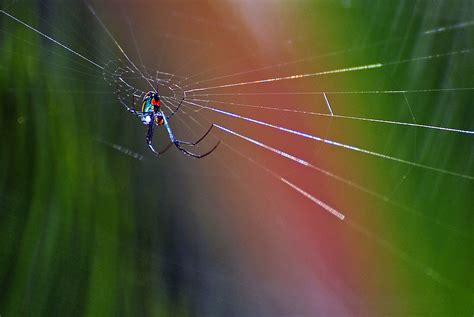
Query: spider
[152, 115]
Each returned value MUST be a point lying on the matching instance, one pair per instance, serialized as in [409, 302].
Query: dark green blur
[67, 237]
[428, 232]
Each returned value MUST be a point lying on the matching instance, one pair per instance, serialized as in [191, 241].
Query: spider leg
[149, 133]
[196, 155]
[129, 109]
[176, 110]
[199, 140]
[132, 108]
[149, 140]
[150, 145]
[178, 143]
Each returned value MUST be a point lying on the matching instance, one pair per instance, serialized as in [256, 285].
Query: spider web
[258, 131]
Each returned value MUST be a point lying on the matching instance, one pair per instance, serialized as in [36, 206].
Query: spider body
[151, 108]
[152, 115]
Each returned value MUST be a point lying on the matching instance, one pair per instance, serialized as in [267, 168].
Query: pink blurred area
[276, 246]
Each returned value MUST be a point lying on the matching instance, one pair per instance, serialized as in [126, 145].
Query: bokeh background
[91, 223]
